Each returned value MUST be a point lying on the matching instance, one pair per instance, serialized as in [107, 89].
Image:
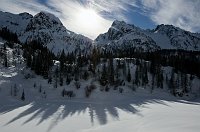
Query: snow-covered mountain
[50, 31]
[122, 35]
[179, 38]
[46, 28]
[15, 23]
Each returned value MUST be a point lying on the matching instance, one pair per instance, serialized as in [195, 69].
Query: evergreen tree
[15, 90]
[111, 71]
[104, 76]
[68, 80]
[34, 85]
[85, 75]
[40, 88]
[11, 91]
[62, 60]
[145, 79]
[61, 80]
[5, 57]
[152, 83]
[137, 78]
[129, 75]
[23, 96]
[95, 58]
[56, 78]
[124, 69]
[172, 83]
[63, 92]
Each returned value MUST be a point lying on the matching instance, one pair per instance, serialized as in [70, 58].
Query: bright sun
[88, 19]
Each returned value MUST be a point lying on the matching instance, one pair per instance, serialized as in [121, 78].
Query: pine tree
[129, 75]
[40, 88]
[15, 90]
[172, 83]
[111, 71]
[185, 83]
[61, 80]
[63, 92]
[11, 91]
[23, 96]
[44, 95]
[34, 85]
[68, 80]
[49, 79]
[104, 76]
[152, 83]
[124, 68]
[145, 79]
[62, 60]
[94, 58]
[5, 57]
[85, 75]
[56, 77]
[137, 79]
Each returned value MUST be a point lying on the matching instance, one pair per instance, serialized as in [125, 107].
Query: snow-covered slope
[15, 23]
[121, 35]
[46, 28]
[45, 110]
[103, 112]
[179, 38]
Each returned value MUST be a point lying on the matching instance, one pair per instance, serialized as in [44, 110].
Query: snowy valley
[128, 79]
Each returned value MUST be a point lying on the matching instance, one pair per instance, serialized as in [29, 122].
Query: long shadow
[59, 110]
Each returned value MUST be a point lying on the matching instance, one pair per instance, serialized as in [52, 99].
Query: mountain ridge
[164, 36]
[49, 30]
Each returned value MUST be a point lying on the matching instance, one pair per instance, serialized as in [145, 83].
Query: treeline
[8, 35]
[181, 60]
[38, 58]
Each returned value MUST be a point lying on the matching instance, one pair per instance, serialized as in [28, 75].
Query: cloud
[182, 13]
[67, 11]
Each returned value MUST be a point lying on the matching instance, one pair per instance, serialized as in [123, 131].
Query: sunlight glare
[88, 19]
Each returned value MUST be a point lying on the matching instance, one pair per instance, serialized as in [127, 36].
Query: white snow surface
[103, 112]
[111, 111]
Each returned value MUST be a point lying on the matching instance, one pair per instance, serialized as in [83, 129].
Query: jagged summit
[163, 36]
[45, 27]
[26, 15]
[47, 17]
[122, 36]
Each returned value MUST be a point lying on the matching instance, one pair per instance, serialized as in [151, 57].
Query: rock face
[47, 29]
[122, 35]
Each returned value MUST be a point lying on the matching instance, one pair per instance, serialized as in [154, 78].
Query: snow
[111, 111]
[164, 36]
[44, 27]
[133, 113]
[161, 40]
[15, 22]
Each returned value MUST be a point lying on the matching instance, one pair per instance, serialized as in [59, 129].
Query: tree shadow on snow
[97, 111]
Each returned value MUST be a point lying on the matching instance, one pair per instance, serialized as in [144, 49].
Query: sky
[93, 17]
